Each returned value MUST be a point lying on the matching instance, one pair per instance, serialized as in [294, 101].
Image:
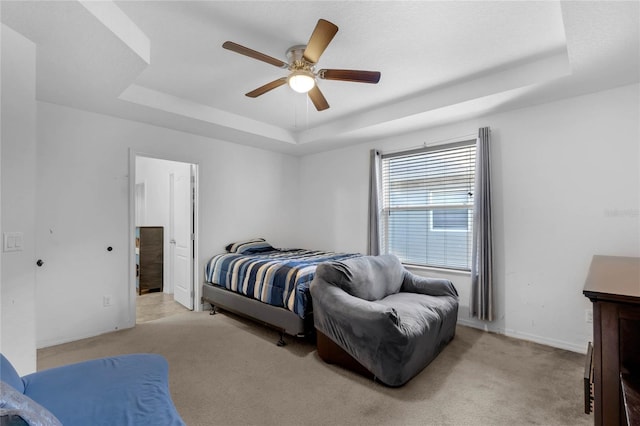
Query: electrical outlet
[12, 241]
[588, 316]
[106, 301]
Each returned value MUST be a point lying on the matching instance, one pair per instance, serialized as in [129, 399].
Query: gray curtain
[373, 244]
[482, 253]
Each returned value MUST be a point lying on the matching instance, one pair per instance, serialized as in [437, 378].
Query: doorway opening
[164, 235]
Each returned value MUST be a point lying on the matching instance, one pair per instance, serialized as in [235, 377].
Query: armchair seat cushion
[419, 314]
[395, 336]
[121, 390]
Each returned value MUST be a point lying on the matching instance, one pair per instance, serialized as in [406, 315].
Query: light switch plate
[12, 241]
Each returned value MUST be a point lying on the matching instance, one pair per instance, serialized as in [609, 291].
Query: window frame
[467, 208]
[386, 210]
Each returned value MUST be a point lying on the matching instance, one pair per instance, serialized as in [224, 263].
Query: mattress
[276, 277]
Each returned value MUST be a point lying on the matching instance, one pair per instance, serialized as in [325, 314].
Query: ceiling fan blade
[319, 40]
[318, 99]
[350, 75]
[266, 88]
[235, 47]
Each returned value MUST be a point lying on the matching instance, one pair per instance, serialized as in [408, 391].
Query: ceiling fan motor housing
[296, 58]
[294, 53]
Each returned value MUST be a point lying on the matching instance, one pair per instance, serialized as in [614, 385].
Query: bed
[268, 285]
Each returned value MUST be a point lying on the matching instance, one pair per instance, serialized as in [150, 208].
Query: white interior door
[181, 236]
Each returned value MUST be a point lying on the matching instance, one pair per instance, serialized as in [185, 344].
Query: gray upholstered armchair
[372, 315]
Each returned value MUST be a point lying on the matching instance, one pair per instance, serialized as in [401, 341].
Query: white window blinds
[427, 211]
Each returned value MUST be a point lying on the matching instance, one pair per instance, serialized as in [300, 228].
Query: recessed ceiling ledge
[112, 17]
[196, 111]
[541, 69]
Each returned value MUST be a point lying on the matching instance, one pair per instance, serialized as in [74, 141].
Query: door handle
[172, 242]
[39, 263]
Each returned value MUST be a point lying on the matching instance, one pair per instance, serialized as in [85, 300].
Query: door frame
[133, 154]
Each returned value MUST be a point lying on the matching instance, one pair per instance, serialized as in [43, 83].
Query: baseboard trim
[47, 343]
[526, 336]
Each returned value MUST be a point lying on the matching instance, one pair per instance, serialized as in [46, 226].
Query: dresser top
[614, 278]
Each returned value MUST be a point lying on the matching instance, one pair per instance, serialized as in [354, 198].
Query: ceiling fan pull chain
[307, 105]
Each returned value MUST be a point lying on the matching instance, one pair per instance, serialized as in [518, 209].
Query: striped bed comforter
[277, 277]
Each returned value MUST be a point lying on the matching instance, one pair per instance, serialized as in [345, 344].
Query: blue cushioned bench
[120, 390]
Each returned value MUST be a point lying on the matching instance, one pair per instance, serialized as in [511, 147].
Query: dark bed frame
[281, 319]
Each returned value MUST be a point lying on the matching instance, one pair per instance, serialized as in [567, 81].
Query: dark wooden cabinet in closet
[149, 257]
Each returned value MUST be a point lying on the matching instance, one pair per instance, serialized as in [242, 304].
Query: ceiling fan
[302, 61]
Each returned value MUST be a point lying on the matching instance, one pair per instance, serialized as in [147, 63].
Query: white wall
[155, 174]
[83, 194]
[18, 213]
[566, 187]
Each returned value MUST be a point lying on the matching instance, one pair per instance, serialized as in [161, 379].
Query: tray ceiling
[163, 62]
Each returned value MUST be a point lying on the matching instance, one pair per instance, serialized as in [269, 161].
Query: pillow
[14, 403]
[366, 277]
[254, 248]
[233, 247]
[258, 245]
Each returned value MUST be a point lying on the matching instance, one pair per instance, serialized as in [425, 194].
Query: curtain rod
[434, 143]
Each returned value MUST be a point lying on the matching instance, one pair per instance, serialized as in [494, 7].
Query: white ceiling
[162, 62]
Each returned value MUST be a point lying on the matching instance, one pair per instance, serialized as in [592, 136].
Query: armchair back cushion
[9, 375]
[367, 277]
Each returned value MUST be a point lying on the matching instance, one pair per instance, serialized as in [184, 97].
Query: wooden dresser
[613, 285]
[149, 258]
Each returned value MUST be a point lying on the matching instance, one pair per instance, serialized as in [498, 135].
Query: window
[450, 219]
[427, 205]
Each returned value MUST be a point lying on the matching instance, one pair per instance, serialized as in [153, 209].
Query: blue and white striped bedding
[277, 277]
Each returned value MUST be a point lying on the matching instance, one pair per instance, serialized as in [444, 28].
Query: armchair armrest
[413, 283]
[357, 325]
[332, 301]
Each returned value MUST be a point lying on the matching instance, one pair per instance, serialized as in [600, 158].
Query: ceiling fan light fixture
[301, 81]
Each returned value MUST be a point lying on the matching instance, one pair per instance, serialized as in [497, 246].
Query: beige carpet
[228, 371]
